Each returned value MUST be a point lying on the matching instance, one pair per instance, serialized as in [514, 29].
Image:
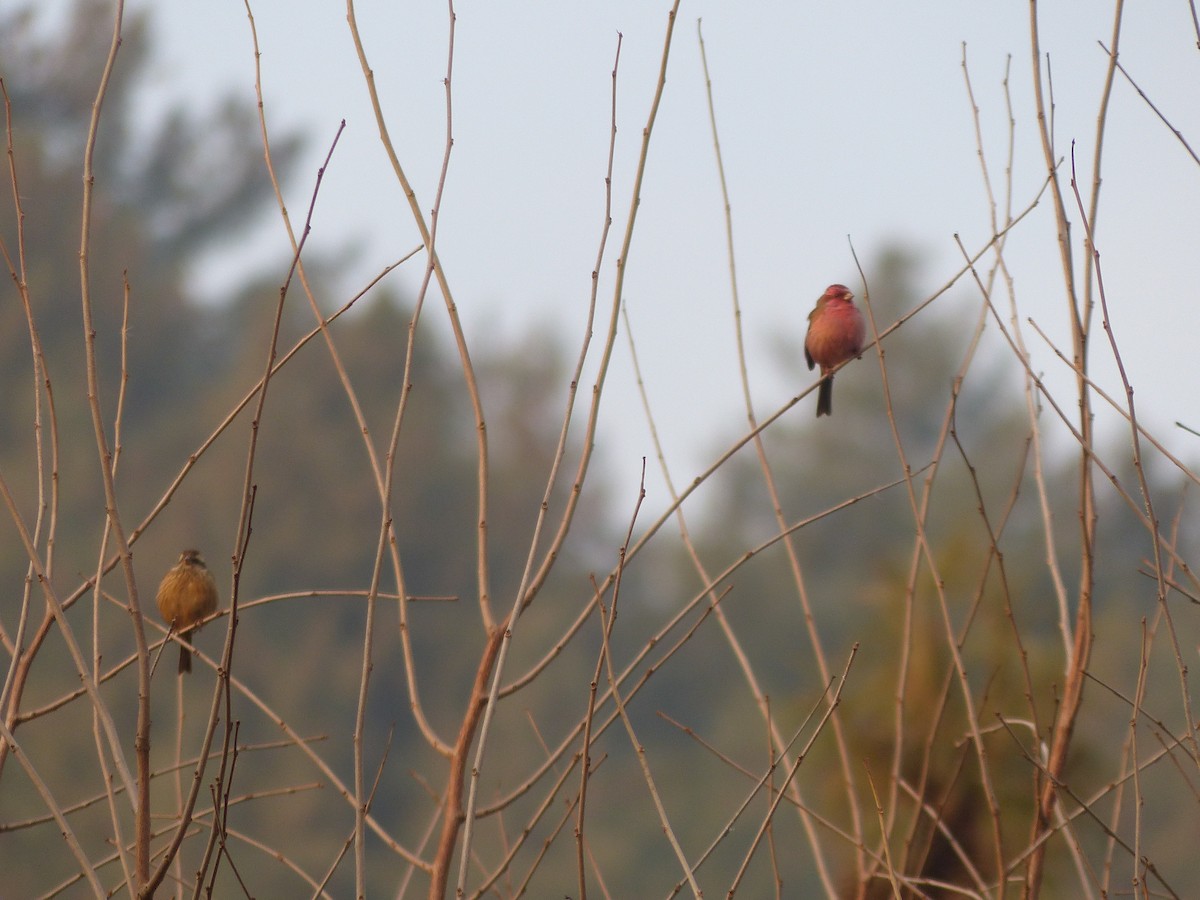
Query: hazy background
[843, 120]
[846, 119]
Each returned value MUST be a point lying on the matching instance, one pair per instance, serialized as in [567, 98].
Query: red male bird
[836, 333]
[187, 595]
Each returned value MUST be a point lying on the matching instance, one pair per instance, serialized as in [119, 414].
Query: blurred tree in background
[160, 204]
[165, 192]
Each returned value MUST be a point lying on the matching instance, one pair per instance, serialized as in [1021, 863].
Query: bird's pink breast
[837, 334]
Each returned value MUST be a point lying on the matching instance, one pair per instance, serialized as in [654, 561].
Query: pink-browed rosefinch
[836, 333]
[187, 595]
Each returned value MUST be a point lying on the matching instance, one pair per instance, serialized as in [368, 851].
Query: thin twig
[789, 546]
[86, 869]
[588, 442]
[113, 517]
[1175, 131]
[931, 562]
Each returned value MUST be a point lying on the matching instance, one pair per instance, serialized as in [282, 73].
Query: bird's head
[838, 292]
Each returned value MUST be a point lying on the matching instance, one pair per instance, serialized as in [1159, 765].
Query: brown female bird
[187, 595]
[836, 333]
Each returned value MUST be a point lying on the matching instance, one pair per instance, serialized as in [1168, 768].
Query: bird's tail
[825, 397]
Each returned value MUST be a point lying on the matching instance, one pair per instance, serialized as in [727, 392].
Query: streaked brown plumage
[187, 594]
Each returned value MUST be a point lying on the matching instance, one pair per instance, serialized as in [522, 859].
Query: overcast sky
[835, 119]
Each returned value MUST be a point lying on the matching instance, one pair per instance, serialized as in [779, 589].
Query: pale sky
[835, 119]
